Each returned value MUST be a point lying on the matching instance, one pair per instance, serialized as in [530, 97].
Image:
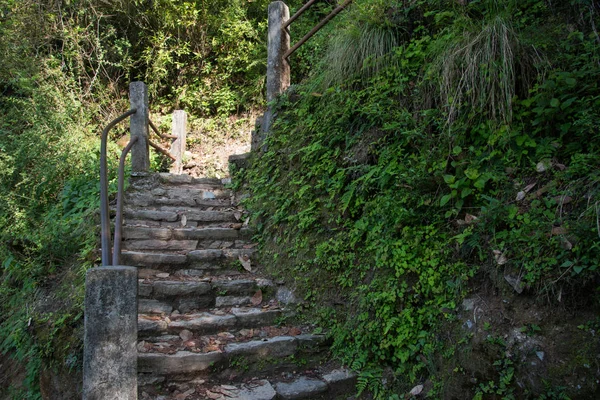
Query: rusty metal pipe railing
[161, 150]
[116, 257]
[104, 211]
[298, 13]
[161, 135]
[316, 29]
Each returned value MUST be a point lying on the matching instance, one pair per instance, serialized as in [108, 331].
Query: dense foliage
[438, 143]
[65, 66]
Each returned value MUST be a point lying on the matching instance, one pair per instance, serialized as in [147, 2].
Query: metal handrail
[298, 13]
[317, 28]
[104, 211]
[114, 254]
[161, 150]
[116, 258]
[161, 135]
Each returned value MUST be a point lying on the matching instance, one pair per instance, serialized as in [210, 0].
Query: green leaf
[445, 199]
[555, 102]
[578, 269]
[566, 264]
[449, 179]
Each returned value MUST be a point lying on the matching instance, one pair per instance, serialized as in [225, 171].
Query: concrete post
[140, 153]
[179, 129]
[110, 338]
[278, 68]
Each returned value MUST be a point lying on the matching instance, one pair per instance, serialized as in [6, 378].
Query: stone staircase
[210, 326]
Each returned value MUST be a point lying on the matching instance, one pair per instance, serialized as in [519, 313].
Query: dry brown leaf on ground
[245, 260]
[257, 298]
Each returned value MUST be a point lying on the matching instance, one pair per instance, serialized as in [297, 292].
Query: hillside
[432, 191]
[430, 186]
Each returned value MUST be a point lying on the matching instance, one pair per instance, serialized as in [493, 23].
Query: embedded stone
[231, 301]
[138, 232]
[154, 244]
[182, 362]
[175, 288]
[235, 286]
[301, 388]
[152, 306]
[279, 346]
[258, 390]
[205, 322]
[134, 258]
[205, 233]
[186, 305]
[149, 325]
[210, 216]
[151, 215]
[253, 317]
[202, 255]
[144, 289]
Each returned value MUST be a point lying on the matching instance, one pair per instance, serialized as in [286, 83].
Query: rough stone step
[172, 214]
[195, 263]
[184, 238]
[186, 362]
[139, 232]
[198, 343]
[327, 384]
[146, 199]
[196, 293]
[188, 179]
[209, 322]
[160, 245]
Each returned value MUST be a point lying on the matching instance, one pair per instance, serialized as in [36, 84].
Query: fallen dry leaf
[257, 298]
[416, 390]
[212, 395]
[529, 187]
[294, 331]
[237, 215]
[245, 260]
[500, 257]
[470, 218]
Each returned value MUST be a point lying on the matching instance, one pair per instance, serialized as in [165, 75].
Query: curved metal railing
[113, 257]
[104, 211]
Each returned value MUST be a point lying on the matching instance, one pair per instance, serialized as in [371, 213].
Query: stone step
[195, 293]
[230, 356]
[145, 233]
[192, 263]
[319, 383]
[145, 181]
[173, 214]
[144, 199]
[209, 322]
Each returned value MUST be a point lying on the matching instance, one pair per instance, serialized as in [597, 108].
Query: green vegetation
[431, 147]
[437, 146]
[65, 67]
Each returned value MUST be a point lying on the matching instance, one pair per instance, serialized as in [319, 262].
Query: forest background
[431, 150]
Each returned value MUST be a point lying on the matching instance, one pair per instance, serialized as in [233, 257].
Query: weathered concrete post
[179, 129]
[110, 353]
[278, 68]
[140, 153]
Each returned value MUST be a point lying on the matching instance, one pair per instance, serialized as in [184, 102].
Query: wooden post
[140, 153]
[179, 129]
[278, 68]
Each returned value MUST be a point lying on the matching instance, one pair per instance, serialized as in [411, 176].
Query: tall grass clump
[363, 43]
[485, 67]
